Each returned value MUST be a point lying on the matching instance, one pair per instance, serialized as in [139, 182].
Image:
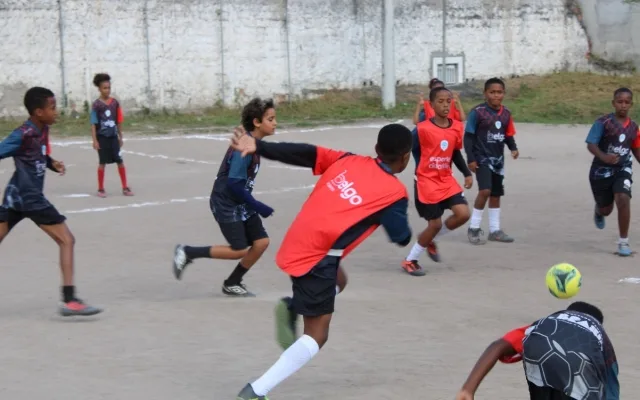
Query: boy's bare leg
[61, 234]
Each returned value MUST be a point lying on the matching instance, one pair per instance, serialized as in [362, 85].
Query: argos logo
[341, 184]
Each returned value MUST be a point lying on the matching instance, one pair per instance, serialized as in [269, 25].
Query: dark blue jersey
[227, 205]
[29, 147]
[106, 115]
[612, 137]
[490, 129]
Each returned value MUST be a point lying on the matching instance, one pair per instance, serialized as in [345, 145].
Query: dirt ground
[162, 339]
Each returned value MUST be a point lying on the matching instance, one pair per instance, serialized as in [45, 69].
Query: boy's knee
[484, 193]
[66, 239]
[435, 223]
[622, 200]
[462, 214]
[261, 244]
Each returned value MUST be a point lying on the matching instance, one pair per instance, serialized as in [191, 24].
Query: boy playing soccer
[106, 131]
[354, 195]
[235, 210]
[611, 140]
[566, 355]
[489, 127]
[24, 197]
[438, 143]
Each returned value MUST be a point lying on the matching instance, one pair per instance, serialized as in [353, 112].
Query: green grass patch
[563, 98]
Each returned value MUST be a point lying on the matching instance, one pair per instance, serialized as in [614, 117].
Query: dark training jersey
[106, 116]
[226, 205]
[612, 137]
[491, 129]
[29, 147]
[570, 352]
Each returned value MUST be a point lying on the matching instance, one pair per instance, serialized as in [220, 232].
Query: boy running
[24, 197]
[436, 145]
[106, 131]
[611, 140]
[354, 195]
[566, 355]
[234, 208]
[489, 127]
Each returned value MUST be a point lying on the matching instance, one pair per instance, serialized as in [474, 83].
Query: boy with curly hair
[234, 208]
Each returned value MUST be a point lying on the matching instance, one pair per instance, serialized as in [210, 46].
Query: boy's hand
[242, 142]
[464, 395]
[610, 158]
[96, 145]
[120, 141]
[515, 154]
[468, 182]
[473, 166]
[264, 210]
[421, 98]
[59, 166]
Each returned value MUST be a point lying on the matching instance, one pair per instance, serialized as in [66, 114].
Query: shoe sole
[229, 293]
[501, 241]
[420, 272]
[69, 313]
[177, 272]
[284, 335]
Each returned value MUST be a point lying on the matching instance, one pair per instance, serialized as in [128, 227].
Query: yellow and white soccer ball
[564, 280]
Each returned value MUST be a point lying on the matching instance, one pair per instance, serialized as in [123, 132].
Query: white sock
[337, 290]
[623, 240]
[293, 358]
[415, 252]
[494, 219]
[476, 219]
[442, 232]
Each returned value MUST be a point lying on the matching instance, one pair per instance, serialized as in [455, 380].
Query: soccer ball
[564, 280]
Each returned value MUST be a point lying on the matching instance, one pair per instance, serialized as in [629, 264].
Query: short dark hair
[434, 92]
[394, 141]
[494, 81]
[255, 109]
[586, 308]
[621, 91]
[99, 78]
[36, 98]
[435, 81]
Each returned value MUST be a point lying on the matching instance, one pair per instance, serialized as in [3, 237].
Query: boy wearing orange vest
[354, 195]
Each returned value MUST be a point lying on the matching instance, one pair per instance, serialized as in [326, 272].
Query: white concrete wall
[186, 54]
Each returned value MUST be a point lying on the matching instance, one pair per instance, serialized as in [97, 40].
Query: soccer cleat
[413, 268]
[624, 250]
[236, 290]
[127, 192]
[500, 236]
[102, 193]
[77, 307]
[247, 393]
[286, 321]
[475, 236]
[432, 251]
[180, 261]
[598, 219]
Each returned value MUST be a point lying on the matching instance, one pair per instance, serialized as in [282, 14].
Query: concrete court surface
[393, 336]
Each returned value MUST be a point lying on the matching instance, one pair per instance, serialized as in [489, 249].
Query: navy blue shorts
[45, 216]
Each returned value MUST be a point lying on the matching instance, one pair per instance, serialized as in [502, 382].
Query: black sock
[197, 252]
[68, 293]
[236, 276]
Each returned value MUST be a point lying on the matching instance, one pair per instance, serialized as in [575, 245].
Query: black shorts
[242, 234]
[605, 189]
[435, 211]
[109, 152]
[46, 216]
[489, 180]
[545, 393]
[314, 294]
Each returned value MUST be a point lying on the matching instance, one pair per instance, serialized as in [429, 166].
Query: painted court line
[220, 136]
[177, 201]
[630, 280]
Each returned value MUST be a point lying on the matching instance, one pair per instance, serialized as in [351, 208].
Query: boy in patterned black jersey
[234, 208]
[612, 139]
[28, 145]
[489, 127]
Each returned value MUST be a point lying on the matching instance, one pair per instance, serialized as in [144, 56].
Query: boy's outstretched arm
[298, 154]
[11, 144]
[500, 349]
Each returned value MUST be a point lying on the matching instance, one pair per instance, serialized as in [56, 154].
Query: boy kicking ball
[612, 139]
